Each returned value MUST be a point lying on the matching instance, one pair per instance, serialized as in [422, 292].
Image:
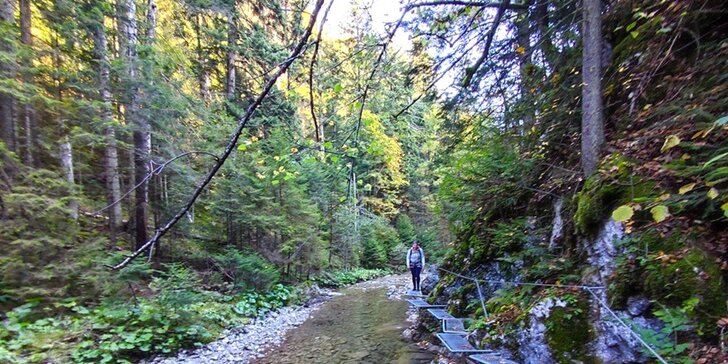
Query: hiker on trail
[415, 262]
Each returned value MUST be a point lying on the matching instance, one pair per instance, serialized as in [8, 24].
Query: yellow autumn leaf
[670, 142]
[663, 197]
[659, 213]
[520, 50]
[687, 188]
[712, 193]
[622, 213]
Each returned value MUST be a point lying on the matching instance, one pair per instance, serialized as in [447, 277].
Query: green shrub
[673, 280]
[253, 304]
[669, 341]
[246, 270]
[374, 254]
[178, 315]
[405, 229]
[345, 278]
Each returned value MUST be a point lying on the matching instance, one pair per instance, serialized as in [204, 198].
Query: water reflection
[362, 326]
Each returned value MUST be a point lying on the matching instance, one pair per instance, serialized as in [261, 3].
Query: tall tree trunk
[111, 155]
[141, 140]
[232, 37]
[153, 183]
[65, 148]
[27, 117]
[66, 156]
[541, 13]
[7, 69]
[203, 76]
[151, 21]
[592, 123]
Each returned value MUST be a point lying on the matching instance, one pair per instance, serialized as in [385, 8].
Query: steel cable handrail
[589, 289]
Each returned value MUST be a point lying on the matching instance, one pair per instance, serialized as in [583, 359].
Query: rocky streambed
[360, 324]
[243, 344]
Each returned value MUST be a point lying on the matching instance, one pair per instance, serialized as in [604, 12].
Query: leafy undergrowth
[177, 313]
[347, 277]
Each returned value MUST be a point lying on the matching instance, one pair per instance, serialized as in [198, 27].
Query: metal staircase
[454, 336]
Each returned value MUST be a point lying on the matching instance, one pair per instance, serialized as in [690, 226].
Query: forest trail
[364, 325]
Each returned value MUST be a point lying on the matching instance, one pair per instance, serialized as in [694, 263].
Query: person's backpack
[419, 260]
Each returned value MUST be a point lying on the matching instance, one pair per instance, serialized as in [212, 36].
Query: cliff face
[650, 225]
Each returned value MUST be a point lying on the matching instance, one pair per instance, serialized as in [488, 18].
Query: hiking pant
[415, 269]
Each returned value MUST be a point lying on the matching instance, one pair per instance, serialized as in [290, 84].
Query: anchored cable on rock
[589, 289]
[523, 283]
[631, 331]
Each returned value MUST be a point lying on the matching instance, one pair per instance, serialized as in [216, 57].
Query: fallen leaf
[687, 188]
[670, 142]
[663, 197]
[659, 213]
[622, 213]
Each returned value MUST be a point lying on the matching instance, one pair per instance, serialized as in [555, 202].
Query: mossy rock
[568, 333]
[627, 279]
[612, 185]
[695, 274]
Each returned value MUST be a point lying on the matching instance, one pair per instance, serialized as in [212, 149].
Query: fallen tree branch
[231, 143]
[154, 172]
[476, 4]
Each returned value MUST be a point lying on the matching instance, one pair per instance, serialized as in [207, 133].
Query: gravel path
[242, 345]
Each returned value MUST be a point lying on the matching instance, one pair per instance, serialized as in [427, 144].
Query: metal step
[440, 313]
[457, 343]
[415, 294]
[420, 303]
[453, 326]
[488, 359]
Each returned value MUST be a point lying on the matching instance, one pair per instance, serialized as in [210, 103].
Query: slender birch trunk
[232, 37]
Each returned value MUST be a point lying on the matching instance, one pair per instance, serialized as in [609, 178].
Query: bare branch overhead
[479, 4]
[242, 122]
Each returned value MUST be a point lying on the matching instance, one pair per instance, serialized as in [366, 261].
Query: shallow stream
[360, 326]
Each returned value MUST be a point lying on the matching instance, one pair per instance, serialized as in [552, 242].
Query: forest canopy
[212, 157]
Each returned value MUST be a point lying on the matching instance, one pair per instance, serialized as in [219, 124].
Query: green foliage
[179, 315]
[669, 341]
[684, 275]
[671, 271]
[601, 194]
[405, 229]
[374, 254]
[379, 242]
[345, 278]
[254, 304]
[246, 270]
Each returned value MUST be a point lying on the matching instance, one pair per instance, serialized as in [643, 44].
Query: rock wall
[601, 337]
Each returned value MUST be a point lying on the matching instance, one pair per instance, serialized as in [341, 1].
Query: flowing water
[360, 326]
